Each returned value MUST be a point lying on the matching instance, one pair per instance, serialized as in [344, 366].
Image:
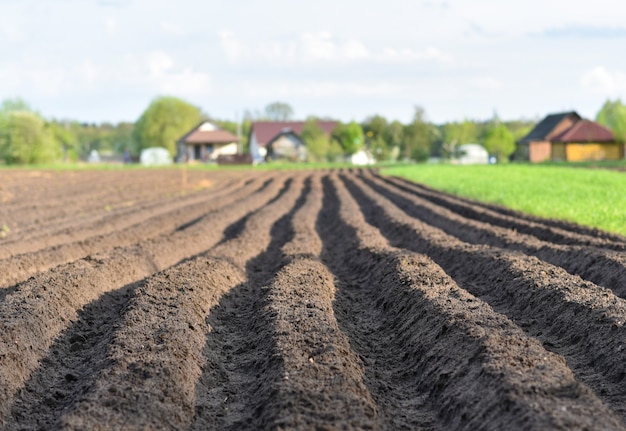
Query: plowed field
[299, 300]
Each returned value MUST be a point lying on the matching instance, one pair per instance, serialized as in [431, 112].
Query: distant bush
[26, 139]
[165, 121]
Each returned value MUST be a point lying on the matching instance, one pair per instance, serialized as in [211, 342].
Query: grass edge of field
[588, 197]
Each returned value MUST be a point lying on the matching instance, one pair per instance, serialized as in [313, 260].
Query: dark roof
[197, 136]
[266, 131]
[542, 131]
[585, 131]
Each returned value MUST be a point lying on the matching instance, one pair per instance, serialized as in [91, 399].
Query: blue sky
[104, 60]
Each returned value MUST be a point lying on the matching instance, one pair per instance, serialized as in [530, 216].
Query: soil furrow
[156, 356]
[70, 368]
[603, 267]
[315, 380]
[555, 231]
[35, 215]
[410, 309]
[106, 223]
[57, 206]
[575, 318]
[34, 314]
[238, 345]
[24, 265]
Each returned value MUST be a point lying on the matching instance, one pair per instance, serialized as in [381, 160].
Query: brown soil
[299, 300]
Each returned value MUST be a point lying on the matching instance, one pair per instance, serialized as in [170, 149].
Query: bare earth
[299, 300]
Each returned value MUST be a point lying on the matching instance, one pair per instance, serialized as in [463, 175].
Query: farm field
[328, 299]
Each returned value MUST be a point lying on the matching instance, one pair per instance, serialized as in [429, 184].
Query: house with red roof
[586, 140]
[537, 145]
[205, 143]
[281, 139]
[568, 137]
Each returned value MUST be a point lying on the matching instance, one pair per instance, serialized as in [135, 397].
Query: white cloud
[354, 49]
[162, 74]
[110, 26]
[322, 47]
[325, 89]
[314, 47]
[159, 62]
[603, 81]
[89, 72]
[350, 89]
[171, 29]
[487, 83]
[36, 77]
[11, 32]
[185, 83]
[231, 46]
[154, 73]
[407, 55]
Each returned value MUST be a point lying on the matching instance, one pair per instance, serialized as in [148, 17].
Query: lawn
[592, 197]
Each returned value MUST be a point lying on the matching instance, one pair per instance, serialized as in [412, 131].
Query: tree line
[26, 137]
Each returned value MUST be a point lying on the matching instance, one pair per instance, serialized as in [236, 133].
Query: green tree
[16, 104]
[352, 139]
[418, 137]
[393, 139]
[316, 140]
[164, 121]
[455, 134]
[394, 134]
[122, 137]
[375, 126]
[65, 139]
[279, 111]
[335, 152]
[25, 139]
[377, 138]
[500, 142]
[613, 115]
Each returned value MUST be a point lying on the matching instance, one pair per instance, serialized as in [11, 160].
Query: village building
[281, 139]
[537, 146]
[586, 140]
[568, 137]
[205, 143]
[286, 145]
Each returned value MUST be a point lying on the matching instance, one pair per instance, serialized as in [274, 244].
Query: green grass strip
[591, 197]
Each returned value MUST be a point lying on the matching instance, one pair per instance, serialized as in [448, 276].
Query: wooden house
[281, 139]
[537, 145]
[568, 137]
[205, 143]
[586, 140]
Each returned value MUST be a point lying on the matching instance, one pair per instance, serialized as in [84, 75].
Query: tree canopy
[12, 105]
[455, 134]
[279, 111]
[316, 140]
[164, 121]
[419, 135]
[25, 139]
[350, 137]
[500, 142]
[613, 115]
